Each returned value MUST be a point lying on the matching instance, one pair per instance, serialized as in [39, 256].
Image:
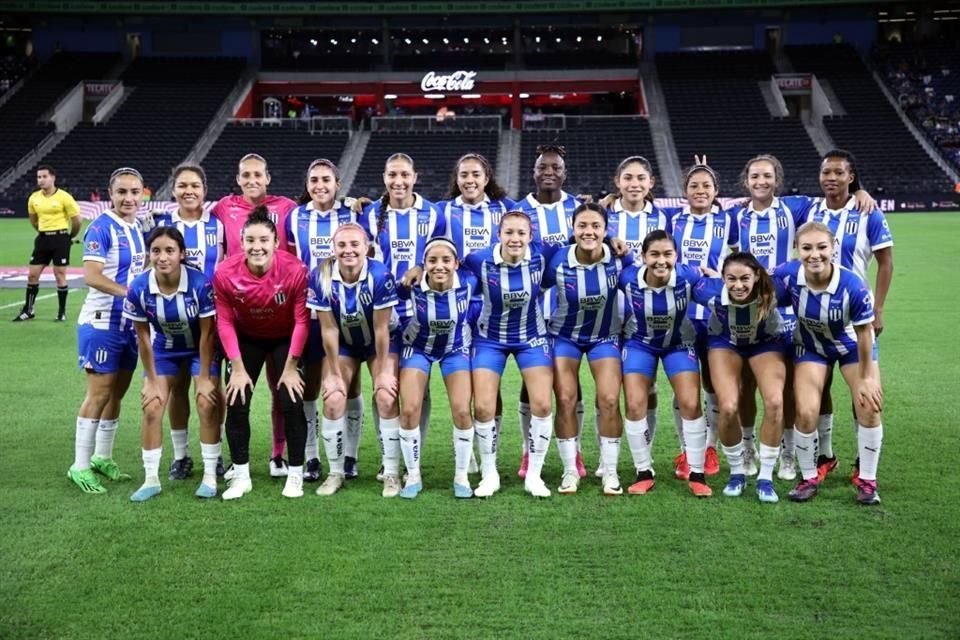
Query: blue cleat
[205, 491]
[412, 490]
[735, 485]
[462, 490]
[350, 470]
[145, 492]
[766, 492]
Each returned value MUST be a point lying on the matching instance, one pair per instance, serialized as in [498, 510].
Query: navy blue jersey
[174, 318]
[441, 319]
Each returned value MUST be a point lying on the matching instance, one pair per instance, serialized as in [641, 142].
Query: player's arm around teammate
[176, 301]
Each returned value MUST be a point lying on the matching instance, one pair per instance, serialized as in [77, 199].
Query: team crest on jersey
[535, 276]
[192, 310]
[366, 297]
[851, 227]
[718, 230]
[407, 353]
[782, 221]
[280, 297]
[211, 239]
[100, 356]
[681, 303]
[835, 314]
[462, 305]
[612, 279]
[423, 228]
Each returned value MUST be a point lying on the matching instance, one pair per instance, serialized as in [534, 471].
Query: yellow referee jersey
[53, 212]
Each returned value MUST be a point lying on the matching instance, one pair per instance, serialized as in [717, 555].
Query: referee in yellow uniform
[56, 217]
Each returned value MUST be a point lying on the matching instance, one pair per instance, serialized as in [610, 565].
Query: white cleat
[788, 467]
[278, 467]
[488, 486]
[536, 487]
[293, 487]
[331, 485]
[238, 488]
[568, 484]
[391, 485]
[611, 484]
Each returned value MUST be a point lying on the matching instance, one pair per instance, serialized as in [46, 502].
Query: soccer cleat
[536, 487]
[644, 483]
[61, 317]
[24, 315]
[86, 480]
[391, 485]
[331, 485]
[524, 463]
[462, 490]
[788, 467]
[867, 492]
[581, 470]
[711, 463]
[698, 486]
[805, 490]
[380, 474]
[735, 485]
[611, 484]
[145, 492]
[824, 466]
[350, 470]
[238, 488]
[766, 492]
[681, 468]
[230, 473]
[599, 472]
[311, 470]
[569, 483]
[293, 487]
[206, 491]
[411, 490]
[181, 469]
[278, 467]
[489, 485]
[750, 461]
[107, 468]
[473, 466]
[221, 470]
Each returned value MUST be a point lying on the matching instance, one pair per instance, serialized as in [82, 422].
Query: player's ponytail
[763, 288]
[261, 215]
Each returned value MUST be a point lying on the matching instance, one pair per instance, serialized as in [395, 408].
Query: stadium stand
[12, 68]
[288, 151]
[888, 155]
[20, 128]
[594, 146]
[716, 108]
[172, 103]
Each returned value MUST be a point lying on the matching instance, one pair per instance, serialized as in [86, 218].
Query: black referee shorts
[51, 247]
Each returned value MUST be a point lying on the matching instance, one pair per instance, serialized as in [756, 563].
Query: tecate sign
[456, 81]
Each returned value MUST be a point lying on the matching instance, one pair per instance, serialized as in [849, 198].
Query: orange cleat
[681, 469]
[711, 463]
[700, 489]
[824, 466]
[644, 484]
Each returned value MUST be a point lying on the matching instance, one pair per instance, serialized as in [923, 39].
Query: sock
[695, 443]
[786, 442]
[462, 447]
[410, 448]
[652, 424]
[486, 434]
[279, 431]
[242, 471]
[31, 297]
[151, 467]
[311, 449]
[295, 470]
[390, 445]
[869, 442]
[541, 430]
[180, 439]
[425, 417]
[825, 432]
[210, 453]
[712, 416]
[768, 458]
[609, 454]
[523, 408]
[83, 442]
[106, 432]
[568, 454]
[805, 445]
[746, 434]
[734, 457]
[354, 425]
[678, 422]
[638, 439]
[334, 442]
[62, 299]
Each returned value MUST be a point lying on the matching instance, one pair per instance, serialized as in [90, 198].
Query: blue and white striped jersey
[120, 246]
[441, 319]
[587, 295]
[770, 235]
[703, 240]
[740, 325]
[826, 319]
[203, 239]
[857, 235]
[552, 223]
[471, 227]
[511, 313]
[633, 226]
[658, 316]
[353, 304]
[403, 238]
[310, 232]
[174, 318]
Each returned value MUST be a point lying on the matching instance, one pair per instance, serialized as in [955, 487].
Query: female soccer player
[438, 331]
[113, 255]
[705, 234]
[176, 302]
[310, 228]
[253, 178]
[204, 241]
[261, 297]
[745, 326]
[354, 298]
[834, 308]
[586, 321]
[476, 203]
[658, 294]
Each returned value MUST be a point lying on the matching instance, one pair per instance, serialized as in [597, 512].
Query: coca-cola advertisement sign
[453, 82]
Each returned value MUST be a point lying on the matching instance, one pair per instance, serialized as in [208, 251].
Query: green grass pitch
[357, 566]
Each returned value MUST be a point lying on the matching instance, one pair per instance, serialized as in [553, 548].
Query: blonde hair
[811, 227]
[326, 267]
